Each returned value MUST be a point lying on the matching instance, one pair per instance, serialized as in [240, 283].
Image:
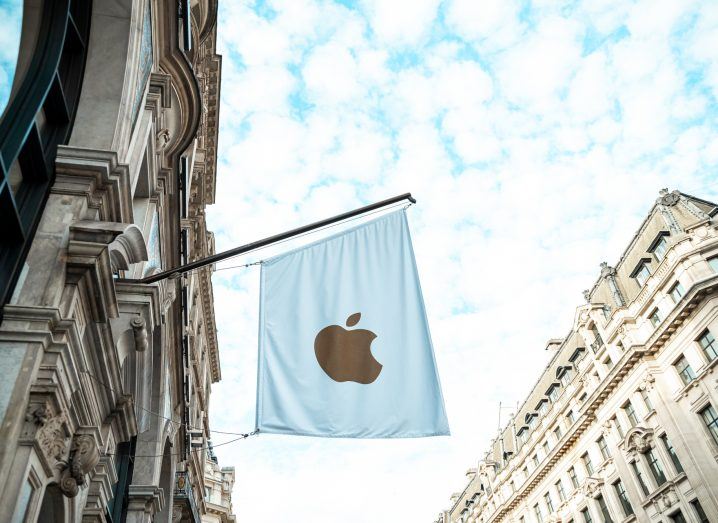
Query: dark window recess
[38, 119]
[117, 506]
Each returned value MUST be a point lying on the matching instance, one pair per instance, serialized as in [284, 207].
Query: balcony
[184, 499]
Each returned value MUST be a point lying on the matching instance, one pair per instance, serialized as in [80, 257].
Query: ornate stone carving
[84, 455]
[592, 487]
[606, 429]
[587, 295]
[669, 199]
[52, 433]
[162, 139]
[638, 439]
[666, 500]
[609, 274]
[647, 383]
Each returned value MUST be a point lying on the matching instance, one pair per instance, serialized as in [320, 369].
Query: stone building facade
[622, 424]
[218, 484]
[108, 152]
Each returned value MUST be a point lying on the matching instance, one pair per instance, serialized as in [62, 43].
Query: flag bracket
[176, 272]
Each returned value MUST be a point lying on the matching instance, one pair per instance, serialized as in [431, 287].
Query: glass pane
[15, 176]
[11, 13]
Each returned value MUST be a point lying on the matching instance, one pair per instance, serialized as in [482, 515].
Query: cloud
[535, 138]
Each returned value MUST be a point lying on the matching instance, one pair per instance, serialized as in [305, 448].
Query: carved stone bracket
[592, 487]
[94, 251]
[638, 440]
[647, 383]
[84, 455]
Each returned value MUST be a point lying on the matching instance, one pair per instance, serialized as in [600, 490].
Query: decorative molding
[638, 440]
[98, 176]
[592, 487]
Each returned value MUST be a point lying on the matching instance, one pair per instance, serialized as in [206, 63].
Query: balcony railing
[183, 496]
[597, 343]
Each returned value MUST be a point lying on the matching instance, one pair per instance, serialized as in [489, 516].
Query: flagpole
[175, 272]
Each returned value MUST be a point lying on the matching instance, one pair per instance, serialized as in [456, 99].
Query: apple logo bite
[346, 355]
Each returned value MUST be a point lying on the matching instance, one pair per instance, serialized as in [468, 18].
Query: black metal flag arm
[267, 241]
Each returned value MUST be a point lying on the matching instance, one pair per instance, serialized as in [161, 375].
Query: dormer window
[659, 246]
[552, 393]
[542, 407]
[531, 419]
[641, 272]
[577, 355]
[521, 434]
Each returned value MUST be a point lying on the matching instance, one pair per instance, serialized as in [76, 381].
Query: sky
[11, 15]
[535, 137]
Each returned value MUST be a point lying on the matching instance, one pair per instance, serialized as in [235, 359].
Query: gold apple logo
[346, 355]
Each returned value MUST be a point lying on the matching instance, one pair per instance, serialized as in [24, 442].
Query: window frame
[659, 241]
[603, 448]
[641, 273]
[676, 289]
[712, 345]
[712, 425]
[686, 373]
[620, 490]
[638, 475]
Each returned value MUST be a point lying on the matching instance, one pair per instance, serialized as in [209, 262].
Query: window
[577, 355]
[586, 516]
[587, 463]
[646, 400]
[537, 511]
[677, 517]
[542, 407]
[535, 460]
[619, 428]
[572, 476]
[709, 345]
[698, 509]
[713, 263]
[641, 274]
[207, 492]
[655, 467]
[684, 370]
[561, 492]
[630, 413]
[655, 317]
[553, 393]
[549, 502]
[522, 519]
[711, 420]
[531, 420]
[639, 477]
[526, 472]
[603, 447]
[659, 248]
[604, 509]
[623, 498]
[546, 448]
[566, 377]
[677, 292]
[558, 433]
[571, 417]
[672, 453]
[521, 435]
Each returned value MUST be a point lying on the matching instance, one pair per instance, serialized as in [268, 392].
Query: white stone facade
[218, 485]
[620, 425]
[106, 381]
